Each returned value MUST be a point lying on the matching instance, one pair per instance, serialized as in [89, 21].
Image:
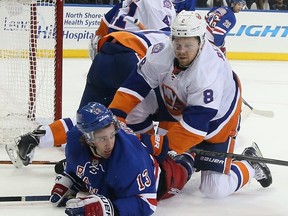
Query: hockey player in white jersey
[200, 99]
[134, 15]
[130, 15]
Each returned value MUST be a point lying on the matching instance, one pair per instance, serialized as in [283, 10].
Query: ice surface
[265, 86]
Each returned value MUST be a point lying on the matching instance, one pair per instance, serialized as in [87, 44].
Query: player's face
[185, 49]
[104, 141]
[238, 7]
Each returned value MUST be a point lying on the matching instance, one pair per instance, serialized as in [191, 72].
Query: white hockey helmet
[188, 24]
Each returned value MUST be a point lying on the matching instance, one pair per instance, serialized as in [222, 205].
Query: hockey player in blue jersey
[220, 20]
[116, 168]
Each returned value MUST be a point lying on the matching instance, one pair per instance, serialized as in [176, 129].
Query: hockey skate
[22, 151]
[262, 172]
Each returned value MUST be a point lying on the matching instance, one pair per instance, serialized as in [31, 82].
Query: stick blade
[265, 113]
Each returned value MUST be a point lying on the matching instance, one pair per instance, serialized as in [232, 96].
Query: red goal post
[31, 48]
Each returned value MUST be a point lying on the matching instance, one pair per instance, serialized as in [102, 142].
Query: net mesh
[27, 66]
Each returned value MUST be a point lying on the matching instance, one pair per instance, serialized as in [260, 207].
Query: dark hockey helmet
[92, 117]
[231, 3]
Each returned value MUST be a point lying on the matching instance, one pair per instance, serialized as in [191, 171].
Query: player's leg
[221, 177]
[218, 176]
[21, 153]
[262, 172]
[109, 69]
[101, 85]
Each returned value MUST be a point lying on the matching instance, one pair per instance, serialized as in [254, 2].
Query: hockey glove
[92, 205]
[93, 46]
[157, 145]
[65, 188]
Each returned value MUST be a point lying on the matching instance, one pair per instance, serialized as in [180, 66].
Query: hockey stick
[239, 157]
[25, 198]
[135, 21]
[33, 162]
[265, 113]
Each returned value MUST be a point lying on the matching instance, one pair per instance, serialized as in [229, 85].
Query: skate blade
[255, 146]
[12, 151]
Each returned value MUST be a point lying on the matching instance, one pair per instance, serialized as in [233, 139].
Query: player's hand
[93, 46]
[64, 189]
[92, 205]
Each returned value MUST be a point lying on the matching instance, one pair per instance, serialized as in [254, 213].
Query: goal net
[30, 65]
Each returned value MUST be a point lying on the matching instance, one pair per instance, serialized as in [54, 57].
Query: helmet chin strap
[94, 151]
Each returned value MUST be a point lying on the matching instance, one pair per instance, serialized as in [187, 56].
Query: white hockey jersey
[138, 15]
[205, 98]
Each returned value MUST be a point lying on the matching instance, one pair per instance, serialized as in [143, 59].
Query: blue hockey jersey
[129, 177]
[219, 22]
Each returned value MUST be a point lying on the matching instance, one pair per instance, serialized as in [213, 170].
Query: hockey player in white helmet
[199, 107]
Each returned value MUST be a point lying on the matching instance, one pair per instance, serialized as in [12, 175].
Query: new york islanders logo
[173, 103]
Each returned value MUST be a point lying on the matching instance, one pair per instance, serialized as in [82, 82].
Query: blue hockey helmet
[92, 117]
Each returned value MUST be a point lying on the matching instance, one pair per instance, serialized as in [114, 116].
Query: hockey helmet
[234, 2]
[188, 24]
[93, 117]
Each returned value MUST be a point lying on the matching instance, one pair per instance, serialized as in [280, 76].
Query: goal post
[31, 48]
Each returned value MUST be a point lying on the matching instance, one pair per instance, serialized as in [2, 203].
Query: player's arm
[226, 23]
[132, 91]
[139, 83]
[102, 30]
[134, 191]
[140, 204]
[107, 19]
[157, 145]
